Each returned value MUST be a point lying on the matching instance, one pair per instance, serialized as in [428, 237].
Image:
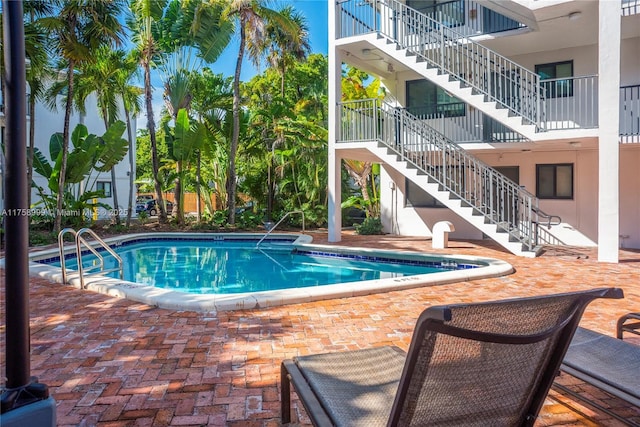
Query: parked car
[143, 198]
[151, 207]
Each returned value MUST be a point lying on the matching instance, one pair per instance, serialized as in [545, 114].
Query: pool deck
[114, 362]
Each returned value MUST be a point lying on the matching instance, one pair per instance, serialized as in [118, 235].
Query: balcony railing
[630, 113]
[630, 7]
[464, 124]
[571, 103]
[469, 17]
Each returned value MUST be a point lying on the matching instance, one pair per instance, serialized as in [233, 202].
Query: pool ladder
[278, 223]
[79, 242]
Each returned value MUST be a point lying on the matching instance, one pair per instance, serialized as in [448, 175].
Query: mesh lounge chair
[468, 364]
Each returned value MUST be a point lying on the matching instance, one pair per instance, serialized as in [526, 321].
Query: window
[451, 13]
[554, 181]
[556, 87]
[104, 186]
[427, 101]
[494, 22]
[416, 197]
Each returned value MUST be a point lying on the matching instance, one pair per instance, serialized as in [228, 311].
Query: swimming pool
[203, 266]
[211, 272]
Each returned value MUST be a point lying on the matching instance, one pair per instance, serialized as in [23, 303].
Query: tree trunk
[198, 188]
[361, 178]
[231, 184]
[65, 149]
[270, 184]
[155, 164]
[114, 190]
[178, 204]
[132, 165]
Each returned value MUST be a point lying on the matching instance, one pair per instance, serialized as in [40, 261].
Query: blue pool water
[228, 267]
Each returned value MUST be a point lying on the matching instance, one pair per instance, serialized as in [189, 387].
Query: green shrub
[248, 220]
[41, 238]
[369, 226]
[219, 218]
[143, 216]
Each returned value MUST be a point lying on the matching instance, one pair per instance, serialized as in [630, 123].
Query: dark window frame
[556, 88]
[431, 8]
[433, 109]
[555, 195]
[104, 187]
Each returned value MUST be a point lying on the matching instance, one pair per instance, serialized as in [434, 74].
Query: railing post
[488, 75]
[539, 105]
[442, 41]
[339, 126]
[377, 26]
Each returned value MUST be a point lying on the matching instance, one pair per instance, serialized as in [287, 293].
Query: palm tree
[145, 19]
[285, 48]
[38, 69]
[191, 48]
[107, 76]
[212, 101]
[252, 16]
[177, 97]
[130, 96]
[78, 28]
[170, 27]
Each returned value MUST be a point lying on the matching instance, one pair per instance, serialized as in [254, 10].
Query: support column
[334, 166]
[609, 132]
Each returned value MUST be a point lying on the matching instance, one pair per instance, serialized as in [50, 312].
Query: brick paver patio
[112, 362]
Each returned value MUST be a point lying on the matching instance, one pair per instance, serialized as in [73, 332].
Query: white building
[48, 122]
[515, 120]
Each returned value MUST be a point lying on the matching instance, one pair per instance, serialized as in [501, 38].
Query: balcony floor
[113, 362]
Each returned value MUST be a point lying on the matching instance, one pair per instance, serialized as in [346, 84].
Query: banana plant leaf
[40, 164]
[113, 149]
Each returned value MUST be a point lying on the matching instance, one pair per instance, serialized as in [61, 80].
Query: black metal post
[23, 400]
[16, 219]
[21, 391]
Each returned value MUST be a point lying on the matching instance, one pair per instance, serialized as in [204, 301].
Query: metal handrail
[501, 201]
[278, 223]
[549, 218]
[502, 80]
[62, 255]
[79, 241]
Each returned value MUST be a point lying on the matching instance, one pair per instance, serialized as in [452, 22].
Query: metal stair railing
[492, 195]
[98, 268]
[501, 80]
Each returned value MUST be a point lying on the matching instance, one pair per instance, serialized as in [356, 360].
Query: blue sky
[316, 14]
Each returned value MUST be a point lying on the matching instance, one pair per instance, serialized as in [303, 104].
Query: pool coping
[490, 267]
